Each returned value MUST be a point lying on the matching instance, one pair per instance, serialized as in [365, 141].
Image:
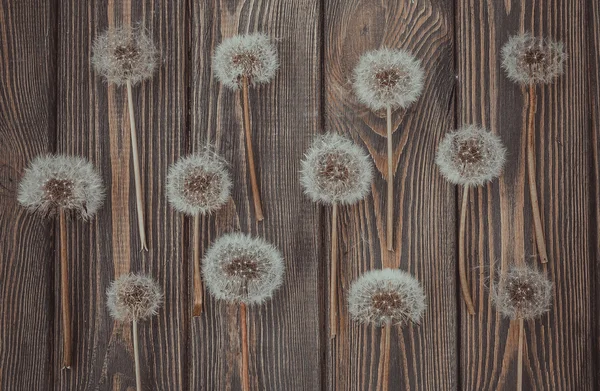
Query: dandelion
[238, 62]
[388, 79]
[522, 293]
[198, 185]
[127, 56]
[469, 157]
[530, 61]
[243, 270]
[132, 298]
[57, 185]
[335, 171]
[385, 298]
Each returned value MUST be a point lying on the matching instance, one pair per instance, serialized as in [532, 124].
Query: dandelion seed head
[241, 269]
[531, 60]
[199, 184]
[252, 56]
[133, 297]
[124, 54]
[388, 77]
[60, 182]
[335, 170]
[388, 295]
[470, 156]
[522, 293]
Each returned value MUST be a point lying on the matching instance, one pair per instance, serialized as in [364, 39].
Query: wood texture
[424, 241]
[557, 345]
[27, 242]
[52, 100]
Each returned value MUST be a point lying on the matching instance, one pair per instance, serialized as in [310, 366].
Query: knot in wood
[58, 191]
[242, 267]
[386, 303]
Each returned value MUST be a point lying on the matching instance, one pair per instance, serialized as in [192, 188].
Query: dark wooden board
[558, 347]
[285, 333]
[93, 121]
[423, 356]
[27, 128]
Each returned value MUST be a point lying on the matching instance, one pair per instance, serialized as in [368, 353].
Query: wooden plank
[558, 345]
[284, 333]
[94, 122]
[424, 356]
[27, 128]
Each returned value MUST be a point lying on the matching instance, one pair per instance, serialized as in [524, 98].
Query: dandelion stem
[333, 299]
[520, 356]
[251, 167]
[136, 170]
[387, 329]
[245, 363]
[64, 287]
[464, 284]
[390, 183]
[198, 291]
[535, 206]
[136, 357]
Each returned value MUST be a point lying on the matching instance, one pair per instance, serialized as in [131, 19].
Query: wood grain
[422, 356]
[27, 128]
[557, 345]
[285, 334]
[93, 121]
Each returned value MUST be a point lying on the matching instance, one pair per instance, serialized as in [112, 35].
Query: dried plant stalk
[136, 356]
[390, 183]
[464, 283]
[520, 355]
[64, 291]
[387, 334]
[198, 290]
[333, 299]
[136, 170]
[251, 167]
[245, 358]
[535, 205]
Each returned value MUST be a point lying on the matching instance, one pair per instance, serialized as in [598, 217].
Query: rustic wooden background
[51, 100]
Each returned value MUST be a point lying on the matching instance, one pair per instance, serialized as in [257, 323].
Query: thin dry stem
[251, 167]
[333, 299]
[64, 288]
[535, 205]
[390, 183]
[520, 355]
[464, 283]
[136, 170]
[386, 356]
[136, 356]
[198, 290]
[245, 359]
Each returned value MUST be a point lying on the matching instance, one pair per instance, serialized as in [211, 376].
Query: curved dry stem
[251, 167]
[333, 299]
[136, 356]
[535, 205]
[198, 290]
[136, 170]
[462, 272]
[390, 183]
[64, 292]
[245, 358]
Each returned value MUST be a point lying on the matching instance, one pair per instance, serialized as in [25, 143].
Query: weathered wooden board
[285, 333]
[500, 231]
[423, 356]
[93, 121]
[27, 128]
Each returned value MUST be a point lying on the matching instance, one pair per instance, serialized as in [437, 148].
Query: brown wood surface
[52, 100]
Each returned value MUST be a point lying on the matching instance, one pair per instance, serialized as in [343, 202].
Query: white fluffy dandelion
[530, 61]
[131, 298]
[197, 185]
[57, 185]
[241, 61]
[127, 56]
[335, 171]
[388, 79]
[469, 156]
[243, 270]
[385, 298]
